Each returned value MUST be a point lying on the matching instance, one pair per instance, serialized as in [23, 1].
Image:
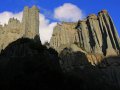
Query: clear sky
[48, 7]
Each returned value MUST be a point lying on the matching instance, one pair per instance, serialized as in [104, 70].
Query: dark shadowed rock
[26, 64]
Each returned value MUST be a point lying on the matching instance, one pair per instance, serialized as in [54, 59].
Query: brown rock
[28, 28]
[64, 34]
[95, 35]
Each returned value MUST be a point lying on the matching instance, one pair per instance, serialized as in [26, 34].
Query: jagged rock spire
[30, 22]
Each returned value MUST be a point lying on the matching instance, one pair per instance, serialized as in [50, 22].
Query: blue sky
[47, 7]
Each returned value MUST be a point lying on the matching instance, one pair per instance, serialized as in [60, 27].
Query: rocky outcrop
[109, 34]
[30, 22]
[73, 56]
[10, 32]
[96, 35]
[28, 28]
[64, 34]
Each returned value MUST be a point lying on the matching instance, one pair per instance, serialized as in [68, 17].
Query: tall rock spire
[30, 22]
[110, 39]
[94, 29]
[83, 35]
[25, 22]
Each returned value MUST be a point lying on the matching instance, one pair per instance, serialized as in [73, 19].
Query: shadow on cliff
[104, 76]
[26, 64]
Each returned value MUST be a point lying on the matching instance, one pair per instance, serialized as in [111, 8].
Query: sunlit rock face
[28, 28]
[96, 35]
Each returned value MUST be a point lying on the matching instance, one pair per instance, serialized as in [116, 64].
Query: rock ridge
[96, 35]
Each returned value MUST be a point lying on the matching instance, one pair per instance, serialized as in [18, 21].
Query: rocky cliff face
[26, 64]
[28, 28]
[96, 35]
[64, 34]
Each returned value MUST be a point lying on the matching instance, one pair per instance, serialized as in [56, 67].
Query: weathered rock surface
[29, 27]
[30, 22]
[64, 34]
[26, 64]
[96, 35]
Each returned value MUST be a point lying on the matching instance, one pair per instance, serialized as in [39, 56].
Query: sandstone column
[84, 36]
[25, 21]
[106, 36]
[30, 22]
[95, 31]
